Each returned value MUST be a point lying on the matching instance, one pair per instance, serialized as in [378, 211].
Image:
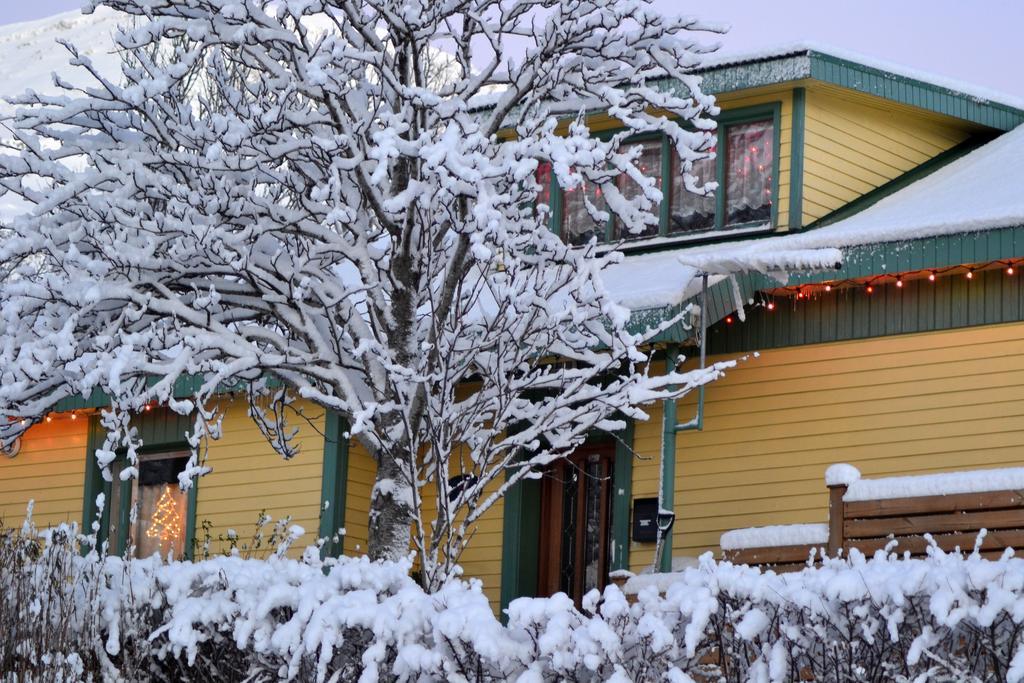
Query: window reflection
[649, 164]
[748, 191]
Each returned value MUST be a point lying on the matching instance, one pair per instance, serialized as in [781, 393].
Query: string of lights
[870, 285]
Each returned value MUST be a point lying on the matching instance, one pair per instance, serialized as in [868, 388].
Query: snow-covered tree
[291, 196]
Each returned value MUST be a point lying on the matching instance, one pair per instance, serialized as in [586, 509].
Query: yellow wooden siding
[248, 477]
[854, 143]
[918, 403]
[50, 469]
[361, 472]
[480, 560]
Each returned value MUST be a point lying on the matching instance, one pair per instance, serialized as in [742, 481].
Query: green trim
[333, 484]
[123, 516]
[190, 520]
[913, 92]
[796, 161]
[667, 494]
[810, 64]
[557, 205]
[667, 177]
[622, 498]
[520, 538]
[161, 430]
[902, 181]
[94, 484]
[941, 251]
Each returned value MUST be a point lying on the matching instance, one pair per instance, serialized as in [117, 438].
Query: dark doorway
[575, 522]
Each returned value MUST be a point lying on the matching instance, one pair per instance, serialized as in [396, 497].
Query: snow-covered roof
[726, 59]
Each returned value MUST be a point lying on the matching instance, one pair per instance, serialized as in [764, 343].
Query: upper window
[745, 169]
[749, 164]
[578, 226]
[649, 164]
[690, 211]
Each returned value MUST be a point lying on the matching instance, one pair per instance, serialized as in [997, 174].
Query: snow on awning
[668, 278]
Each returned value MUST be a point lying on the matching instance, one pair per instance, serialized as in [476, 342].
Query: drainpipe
[670, 426]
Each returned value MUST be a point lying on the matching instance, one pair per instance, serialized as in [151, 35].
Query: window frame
[167, 434]
[736, 117]
[125, 497]
[726, 119]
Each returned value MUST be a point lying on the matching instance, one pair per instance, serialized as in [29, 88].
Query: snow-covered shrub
[948, 617]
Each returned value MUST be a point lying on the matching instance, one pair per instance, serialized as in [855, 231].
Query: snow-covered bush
[66, 617]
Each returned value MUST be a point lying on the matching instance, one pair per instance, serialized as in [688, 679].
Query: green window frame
[162, 431]
[727, 119]
[334, 481]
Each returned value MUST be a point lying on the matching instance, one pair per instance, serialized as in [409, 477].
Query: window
[691, 212]
[544, 180]
[748, 180]
[744, 168]
[578, 227]
[150, 511]
[649, 164]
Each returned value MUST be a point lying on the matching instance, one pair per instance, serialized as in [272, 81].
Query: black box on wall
[645, 520]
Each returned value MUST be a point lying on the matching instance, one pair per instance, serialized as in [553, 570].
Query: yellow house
[907, 359]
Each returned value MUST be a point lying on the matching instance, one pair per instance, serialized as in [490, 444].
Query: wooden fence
[952, 521]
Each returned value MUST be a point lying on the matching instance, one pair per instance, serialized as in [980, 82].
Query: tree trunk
[390, 511]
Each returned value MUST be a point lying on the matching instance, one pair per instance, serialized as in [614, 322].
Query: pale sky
[978, 41]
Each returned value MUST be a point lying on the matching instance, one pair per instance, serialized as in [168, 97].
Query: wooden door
[575, 533]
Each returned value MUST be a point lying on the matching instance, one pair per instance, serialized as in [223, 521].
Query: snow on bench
[979, 509]
[916, 486]
[775, 536]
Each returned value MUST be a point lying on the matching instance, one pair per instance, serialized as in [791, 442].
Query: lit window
[690, 211]
[748, 186]
[544, 180]
[649, 164]
[578, 226]
[159, 506]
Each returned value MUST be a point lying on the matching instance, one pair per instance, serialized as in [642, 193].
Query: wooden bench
[866, 515]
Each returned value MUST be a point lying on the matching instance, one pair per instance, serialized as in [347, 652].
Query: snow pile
[230, 618]
[841, 474]
[775, 536]
[942, 484]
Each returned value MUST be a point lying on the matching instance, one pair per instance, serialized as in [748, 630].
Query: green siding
[922, 254]
[951, 301]
[622, 498]
[913, 92]
[333, 486]
[796, 162]
[520, 537]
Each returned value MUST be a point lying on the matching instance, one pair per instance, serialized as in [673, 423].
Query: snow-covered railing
[980, 509]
